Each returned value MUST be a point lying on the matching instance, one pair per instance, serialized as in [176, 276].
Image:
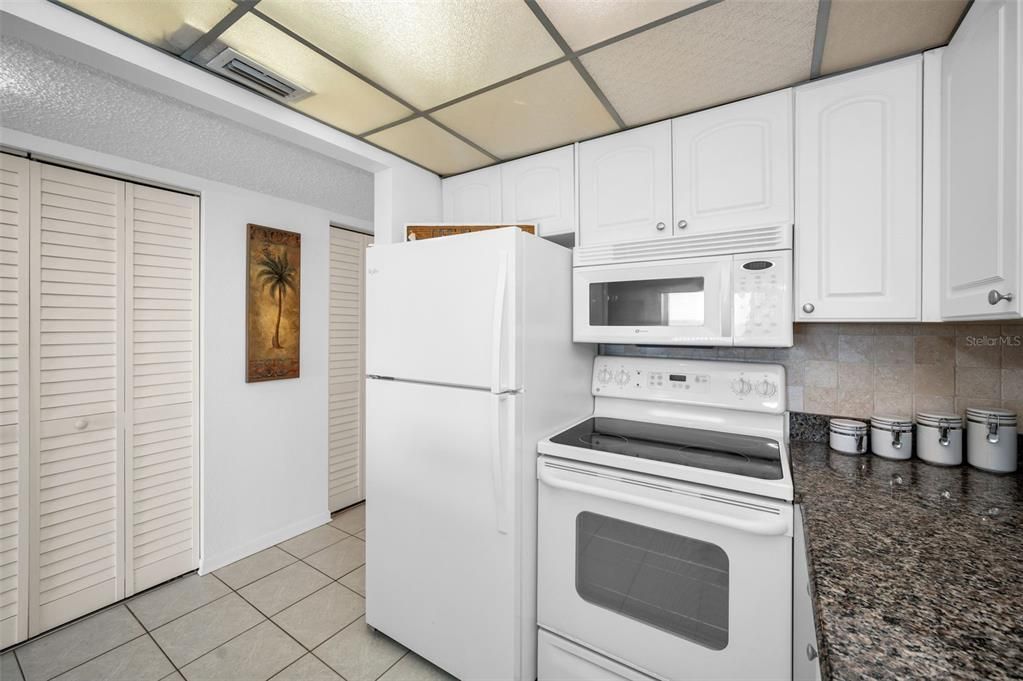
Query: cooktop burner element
[746, 455]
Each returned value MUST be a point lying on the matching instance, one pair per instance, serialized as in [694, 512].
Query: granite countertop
[917, 569]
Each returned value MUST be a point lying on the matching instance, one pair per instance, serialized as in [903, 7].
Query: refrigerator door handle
[497, 331]
[497, 463]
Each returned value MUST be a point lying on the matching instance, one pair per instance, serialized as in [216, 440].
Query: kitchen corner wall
[860, 369]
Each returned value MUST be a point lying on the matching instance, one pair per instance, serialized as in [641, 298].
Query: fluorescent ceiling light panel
[729, 51]
[547, 109]
[169, 24]
[425, 52]
[337, 98]
[431, 146]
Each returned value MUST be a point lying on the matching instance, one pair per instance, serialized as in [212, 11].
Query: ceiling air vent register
[255, 76]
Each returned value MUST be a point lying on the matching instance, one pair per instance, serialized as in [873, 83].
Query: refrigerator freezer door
[445, 310]
[442, 569]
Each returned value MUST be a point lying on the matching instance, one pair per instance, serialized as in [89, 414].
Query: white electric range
[665, 527]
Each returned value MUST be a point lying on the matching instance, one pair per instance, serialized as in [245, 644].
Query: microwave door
[682, 302]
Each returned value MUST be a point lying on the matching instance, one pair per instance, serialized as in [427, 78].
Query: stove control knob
[622, 377]
[741, 386]
[604, 375]
[766, 389]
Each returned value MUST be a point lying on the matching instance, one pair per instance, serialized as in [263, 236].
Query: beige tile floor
[293, 612]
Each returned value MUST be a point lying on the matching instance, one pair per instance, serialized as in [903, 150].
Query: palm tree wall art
[274, 271]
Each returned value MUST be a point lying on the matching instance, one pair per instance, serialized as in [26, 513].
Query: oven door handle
[769, 525]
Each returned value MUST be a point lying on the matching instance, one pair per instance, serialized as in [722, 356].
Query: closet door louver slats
[162, 366]
[14, 397]
[76, 481]
[346, 370]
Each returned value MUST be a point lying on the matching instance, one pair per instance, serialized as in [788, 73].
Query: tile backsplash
[899, 369]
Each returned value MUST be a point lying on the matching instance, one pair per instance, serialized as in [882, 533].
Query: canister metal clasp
[992, 428]
[943, 428]
[897, 439]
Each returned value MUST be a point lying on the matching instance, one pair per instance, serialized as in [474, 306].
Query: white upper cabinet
[473, 197]
[625, 186]
[540, 190]
[981, 173]
[733, 165]
[858, 195]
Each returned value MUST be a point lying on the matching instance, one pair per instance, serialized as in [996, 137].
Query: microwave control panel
[732, 385]
[762, 299]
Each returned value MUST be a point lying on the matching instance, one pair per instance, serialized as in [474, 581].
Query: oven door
[675, 580]
[668, 302]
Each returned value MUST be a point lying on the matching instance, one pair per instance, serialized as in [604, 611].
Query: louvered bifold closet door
[162, 405]
[347, 367]
[14, 397]
[76, 491]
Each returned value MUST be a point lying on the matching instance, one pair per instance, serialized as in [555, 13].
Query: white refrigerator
[469, 362]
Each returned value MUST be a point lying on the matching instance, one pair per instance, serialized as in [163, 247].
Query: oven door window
[675, 583]
[679, 302]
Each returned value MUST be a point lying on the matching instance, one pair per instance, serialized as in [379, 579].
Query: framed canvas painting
[273, 304]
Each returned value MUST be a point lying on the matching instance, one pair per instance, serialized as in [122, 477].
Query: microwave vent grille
[724, 242]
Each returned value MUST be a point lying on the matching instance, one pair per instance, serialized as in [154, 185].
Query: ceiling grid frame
[571, 55]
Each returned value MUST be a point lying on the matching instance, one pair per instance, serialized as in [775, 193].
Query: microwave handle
[768, 526]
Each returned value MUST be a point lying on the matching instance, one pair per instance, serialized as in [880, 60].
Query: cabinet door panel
[14, 398]
[625, 186]
[733, 165]
[162, 520]
[473, 197]
[858, 224]
[981, 163]
[540, 190]
[76, 483]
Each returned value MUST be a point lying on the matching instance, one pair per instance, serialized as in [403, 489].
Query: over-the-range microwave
[728, 287]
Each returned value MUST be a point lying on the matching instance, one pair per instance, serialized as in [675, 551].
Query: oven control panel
[733, 385]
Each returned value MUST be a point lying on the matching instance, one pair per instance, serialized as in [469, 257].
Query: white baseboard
[208, 564]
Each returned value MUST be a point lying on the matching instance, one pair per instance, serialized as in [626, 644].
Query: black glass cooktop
[754, 457]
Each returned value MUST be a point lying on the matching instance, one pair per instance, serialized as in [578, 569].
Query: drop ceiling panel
[172, 25]
[867, 31]
[582, 24]
[425, 52]
[547, 109]
[429, 145]
[338, 98]
[725, 52]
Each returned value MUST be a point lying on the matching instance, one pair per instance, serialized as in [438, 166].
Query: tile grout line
[156, 643]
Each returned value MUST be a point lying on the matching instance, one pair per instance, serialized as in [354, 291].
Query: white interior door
[162, 407]
[733, 165]
[441, 568]
[347, 367]
[981, 165]
[14, 397]
[858, 198]
[443, 310]
[77, 499]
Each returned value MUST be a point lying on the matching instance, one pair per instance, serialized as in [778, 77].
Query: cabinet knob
[811, 652]
[682, 224]
[994, 296]
[807, 308]
[81, 424]
[660, 226]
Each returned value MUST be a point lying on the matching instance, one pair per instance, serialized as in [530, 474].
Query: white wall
[263, 446]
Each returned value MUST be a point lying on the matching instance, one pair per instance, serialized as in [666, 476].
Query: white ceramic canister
[939, 438]
[991, 439]
[891, 437]
[848, 436]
